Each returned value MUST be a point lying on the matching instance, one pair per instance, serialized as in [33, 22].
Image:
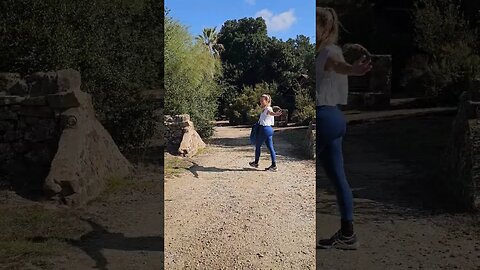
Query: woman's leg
[331, 128]
[258, 143]
[269, 143]
[331, 158]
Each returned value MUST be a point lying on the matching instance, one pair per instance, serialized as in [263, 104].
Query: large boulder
[86, 158]
[461, 171]
[50, 139]
[180, 135]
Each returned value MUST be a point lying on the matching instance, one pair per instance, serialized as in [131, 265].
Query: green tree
[209, 37]
[246, 44]
[449, 43]
[115, 44]
[189, 84]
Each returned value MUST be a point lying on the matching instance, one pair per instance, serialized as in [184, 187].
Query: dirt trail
[224, 215]
[392, 167]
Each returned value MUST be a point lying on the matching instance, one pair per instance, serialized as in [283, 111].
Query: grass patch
[202, 151]
[116, 184]
[19, 226]
[175, 166]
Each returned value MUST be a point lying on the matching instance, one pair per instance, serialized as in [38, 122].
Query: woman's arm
[359, 68]
[274, 113]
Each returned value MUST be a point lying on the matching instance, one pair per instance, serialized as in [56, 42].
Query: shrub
[305, 107]
[115, 44]
[245, 109]
[191, 75]
[449, 43]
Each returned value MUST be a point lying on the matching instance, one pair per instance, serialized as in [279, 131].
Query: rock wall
[181, 137]
[50, 139]
[462, 167]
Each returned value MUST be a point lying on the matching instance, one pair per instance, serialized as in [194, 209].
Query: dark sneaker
[253, 164]
[271, 168]
[340, 242]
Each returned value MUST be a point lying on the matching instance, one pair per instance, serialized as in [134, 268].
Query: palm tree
[209, 37]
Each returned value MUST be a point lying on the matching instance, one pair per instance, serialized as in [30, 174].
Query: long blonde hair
[327, 27]
[269, 99]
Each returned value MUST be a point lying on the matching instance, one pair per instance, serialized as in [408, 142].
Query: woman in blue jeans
[265, 132]
[331, 91]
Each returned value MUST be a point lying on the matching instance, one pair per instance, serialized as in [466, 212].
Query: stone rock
[6, 126]
[35, 101]
[87, 156]
[461, 182]
[355, 100]
[64, 100]
[310, 140]
[181, 118]
[35, 111]
[6, 114]
[40, 155]
[10, 100]
[376, 101]
[43, 130]
[19, 89]
[9, 80]
[282, 120]
[42, 83]
[5, 152]
[68, 80]
[12, 135]
[381, 73]
[191, 143]
[20, 147]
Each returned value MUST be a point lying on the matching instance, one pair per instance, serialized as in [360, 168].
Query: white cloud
[277, 22]
[251, 2]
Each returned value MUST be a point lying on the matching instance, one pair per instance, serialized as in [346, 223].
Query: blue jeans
[331, 127]
[265, 135]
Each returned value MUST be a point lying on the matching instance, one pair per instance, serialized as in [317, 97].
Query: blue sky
[285, 18]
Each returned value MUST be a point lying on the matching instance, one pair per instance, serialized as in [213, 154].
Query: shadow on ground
[198, 168]
[99, 239]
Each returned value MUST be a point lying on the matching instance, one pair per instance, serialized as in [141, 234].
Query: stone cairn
[462, 167]
[372, 91]
[51, 143]
[282, 120]
[181, 137]
[310, 140]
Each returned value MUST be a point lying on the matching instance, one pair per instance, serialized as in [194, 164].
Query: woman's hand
[278, 113]
[361, 66]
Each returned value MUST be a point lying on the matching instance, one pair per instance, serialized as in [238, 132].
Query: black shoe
[253, 164]
[340, 242]
[271, 168]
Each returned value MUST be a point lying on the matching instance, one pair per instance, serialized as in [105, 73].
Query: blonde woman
[265, 132]
[331, 91]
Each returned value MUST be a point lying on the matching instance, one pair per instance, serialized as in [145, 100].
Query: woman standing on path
[265, 132]
[332, 90]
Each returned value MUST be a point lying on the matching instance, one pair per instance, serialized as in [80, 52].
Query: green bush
[449, 43]
[115, 44]
[305, 107]
[191, 77]
[245, 108]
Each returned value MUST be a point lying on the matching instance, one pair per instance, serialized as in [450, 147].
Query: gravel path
[393, 167]
[225, 215]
